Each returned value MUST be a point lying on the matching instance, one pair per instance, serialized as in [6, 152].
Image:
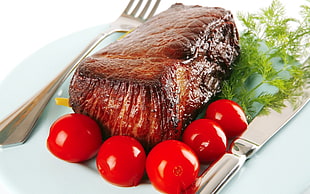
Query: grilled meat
[151, 83]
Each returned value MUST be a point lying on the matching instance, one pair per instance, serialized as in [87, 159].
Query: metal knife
[259, 131]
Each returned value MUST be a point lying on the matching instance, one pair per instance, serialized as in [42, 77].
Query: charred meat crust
[151, 83]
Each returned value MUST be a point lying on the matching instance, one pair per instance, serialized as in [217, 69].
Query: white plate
[282, 166]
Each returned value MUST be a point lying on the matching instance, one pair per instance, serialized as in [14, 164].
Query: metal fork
[16, 128]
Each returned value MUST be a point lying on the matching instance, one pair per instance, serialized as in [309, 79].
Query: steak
[151, 83]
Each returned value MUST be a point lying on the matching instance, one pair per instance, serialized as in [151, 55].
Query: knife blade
[259, 131]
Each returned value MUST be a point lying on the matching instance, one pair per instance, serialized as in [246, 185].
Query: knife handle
[218, 174]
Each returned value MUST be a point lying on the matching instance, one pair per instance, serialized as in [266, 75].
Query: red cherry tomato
[172, 166]
[121, 161]
[206, 138]
[74, 138]
[229, 115]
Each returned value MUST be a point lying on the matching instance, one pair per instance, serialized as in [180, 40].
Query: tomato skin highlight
[229, 115]
[172, 166]
[121, 161]
[74, 138]
[206, 138]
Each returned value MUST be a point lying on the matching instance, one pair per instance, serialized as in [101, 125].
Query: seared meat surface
[151, 83]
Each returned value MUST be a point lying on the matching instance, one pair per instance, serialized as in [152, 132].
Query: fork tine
[135, 10]
[153, 10]
[128, 7]
[146, 7]
[144, 10]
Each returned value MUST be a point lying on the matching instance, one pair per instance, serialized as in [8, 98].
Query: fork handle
[16, 127]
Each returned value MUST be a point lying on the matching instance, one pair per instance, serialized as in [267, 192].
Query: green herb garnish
[269, 69]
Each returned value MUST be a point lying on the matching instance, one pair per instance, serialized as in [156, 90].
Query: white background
[28, 25]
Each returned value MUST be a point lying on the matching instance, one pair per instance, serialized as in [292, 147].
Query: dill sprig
[269, 69]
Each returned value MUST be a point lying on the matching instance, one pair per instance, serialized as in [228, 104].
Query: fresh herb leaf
[268, 70]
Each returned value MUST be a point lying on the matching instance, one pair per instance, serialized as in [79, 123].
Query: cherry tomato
[206, 138]
[121, 161]
[172, 166]
[229, 115]
[74, 138]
